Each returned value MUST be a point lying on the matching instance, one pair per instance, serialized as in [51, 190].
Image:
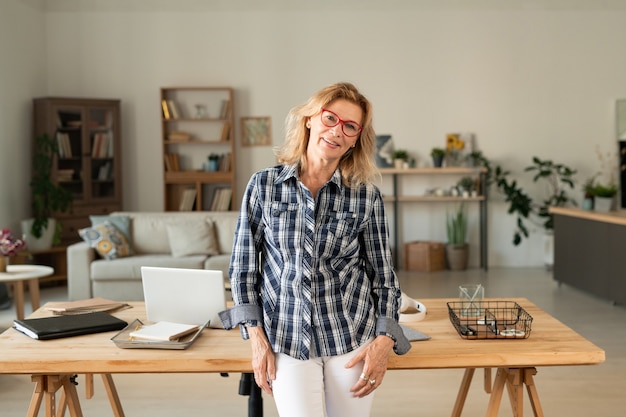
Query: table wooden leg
[114, 399]
[38, 393]
[73, 404]
[487, 380]
[515, 388]
[496, 393]
[515, 379]
[18, 298]
[46, 387]
[33, 288]
[88, 386]
[463, 390]
[532, 391]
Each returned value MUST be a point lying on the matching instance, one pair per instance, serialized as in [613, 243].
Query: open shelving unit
[397, 197]
[198, 122]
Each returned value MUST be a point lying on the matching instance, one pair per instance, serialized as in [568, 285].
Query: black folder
[56, 327]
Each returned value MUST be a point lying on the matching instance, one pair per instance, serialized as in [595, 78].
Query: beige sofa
[156, 239]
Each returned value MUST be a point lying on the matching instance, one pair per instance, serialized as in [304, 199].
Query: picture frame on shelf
[256, 131]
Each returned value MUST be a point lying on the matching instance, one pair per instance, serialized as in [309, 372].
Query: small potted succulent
[400, 158]
[437, 154]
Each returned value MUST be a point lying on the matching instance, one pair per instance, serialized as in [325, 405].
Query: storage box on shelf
[198, 148]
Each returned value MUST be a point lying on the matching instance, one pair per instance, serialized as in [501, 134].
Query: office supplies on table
[163, 330]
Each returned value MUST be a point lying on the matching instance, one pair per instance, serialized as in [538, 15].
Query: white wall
[22, 69]
[526, 81]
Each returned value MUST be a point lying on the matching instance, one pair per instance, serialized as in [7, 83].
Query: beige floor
[596, 391]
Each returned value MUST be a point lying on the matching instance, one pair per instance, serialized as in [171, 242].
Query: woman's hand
[375, 357]
[263, 359]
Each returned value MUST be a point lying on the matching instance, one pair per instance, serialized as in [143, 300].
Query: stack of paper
[84, 306]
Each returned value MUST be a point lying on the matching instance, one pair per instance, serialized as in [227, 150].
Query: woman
[311, 271]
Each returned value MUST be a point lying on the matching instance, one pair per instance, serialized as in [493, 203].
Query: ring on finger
[364, 377]
[372, 382]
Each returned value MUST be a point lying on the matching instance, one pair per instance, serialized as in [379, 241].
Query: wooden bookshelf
[88, 162]
[197, 122]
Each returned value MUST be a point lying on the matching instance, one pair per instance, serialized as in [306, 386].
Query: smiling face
[331, 143]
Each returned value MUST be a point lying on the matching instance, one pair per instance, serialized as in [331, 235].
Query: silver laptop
[189, 296]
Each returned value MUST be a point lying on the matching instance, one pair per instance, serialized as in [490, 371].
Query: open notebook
[178, 295]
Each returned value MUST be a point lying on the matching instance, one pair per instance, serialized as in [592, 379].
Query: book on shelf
[225, 132]
[173, 108]
[187, 200]
[221, 199]
[171, 162]
[224, 162]
[104, 172]
[63, 145]
[166, 111]
[225, 108]
[178, 136]
[102, 145]
[65, 174]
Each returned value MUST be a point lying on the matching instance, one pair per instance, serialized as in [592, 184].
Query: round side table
[16, 275]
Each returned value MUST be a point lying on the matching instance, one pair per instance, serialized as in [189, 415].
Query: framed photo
[256, 131]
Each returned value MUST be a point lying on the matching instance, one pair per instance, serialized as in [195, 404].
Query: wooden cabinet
[88, 162]
[398, 196]
[198, 148]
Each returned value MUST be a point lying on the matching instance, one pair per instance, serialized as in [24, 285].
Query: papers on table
[163, 330]
[84, 306]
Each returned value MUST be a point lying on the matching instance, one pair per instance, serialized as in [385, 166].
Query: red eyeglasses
[348, 127]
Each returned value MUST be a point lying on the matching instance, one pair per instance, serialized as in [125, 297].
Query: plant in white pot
[42, 230]
[457, 249]
[400, 158]
[604, 188]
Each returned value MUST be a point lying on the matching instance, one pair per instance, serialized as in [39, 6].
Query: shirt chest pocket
[284, 223]
[342, 233]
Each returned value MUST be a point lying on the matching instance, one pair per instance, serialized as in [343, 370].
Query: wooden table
[52, 363]
[16, 275]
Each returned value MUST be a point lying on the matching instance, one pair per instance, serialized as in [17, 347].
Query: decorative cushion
[107, 240]
[122, 223]
[192, 238]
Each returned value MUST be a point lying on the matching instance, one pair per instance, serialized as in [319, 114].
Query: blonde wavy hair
[357, 165]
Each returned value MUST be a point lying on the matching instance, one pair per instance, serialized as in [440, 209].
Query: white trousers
[318, 387]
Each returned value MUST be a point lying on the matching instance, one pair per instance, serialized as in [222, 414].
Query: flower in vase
[9, 245]
[454, 149]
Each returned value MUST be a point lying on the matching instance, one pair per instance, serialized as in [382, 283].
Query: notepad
[163, 330]
[56, 327]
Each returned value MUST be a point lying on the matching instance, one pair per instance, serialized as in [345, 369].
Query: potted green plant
[466, 186]
[47, 196]
[605, 189]
[437, 154]
[557, 178]
[457, 249]
[400, 157]
[603, 196]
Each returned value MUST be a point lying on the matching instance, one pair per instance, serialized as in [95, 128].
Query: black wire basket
[490, 319]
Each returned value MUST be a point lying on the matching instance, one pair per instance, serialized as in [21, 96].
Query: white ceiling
[303, 5]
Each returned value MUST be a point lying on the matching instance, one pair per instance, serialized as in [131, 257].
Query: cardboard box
[424, 256]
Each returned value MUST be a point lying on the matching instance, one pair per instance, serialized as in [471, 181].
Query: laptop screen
[179, 295]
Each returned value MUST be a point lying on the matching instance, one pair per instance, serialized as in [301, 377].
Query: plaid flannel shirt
[318, 273]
